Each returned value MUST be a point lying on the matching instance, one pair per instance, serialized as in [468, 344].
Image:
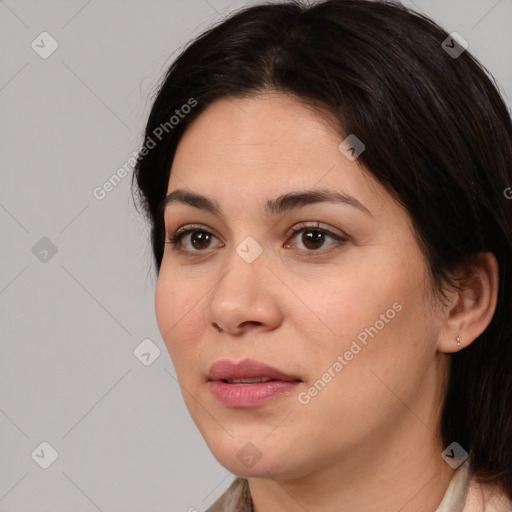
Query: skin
[368, 441]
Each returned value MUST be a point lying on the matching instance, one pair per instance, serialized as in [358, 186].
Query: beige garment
[236, 498]
[462, 495]
[455, 495]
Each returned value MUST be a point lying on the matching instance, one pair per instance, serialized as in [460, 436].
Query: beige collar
[455, 495]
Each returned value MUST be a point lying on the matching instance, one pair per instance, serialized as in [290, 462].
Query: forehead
[268, 140]
[257, 120]
[266, 132]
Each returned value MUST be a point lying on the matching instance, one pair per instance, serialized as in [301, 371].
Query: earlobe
[472, 306]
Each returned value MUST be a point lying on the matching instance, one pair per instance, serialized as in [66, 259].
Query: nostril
[251, 323]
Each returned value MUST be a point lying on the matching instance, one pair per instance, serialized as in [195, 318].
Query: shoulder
[482, 497]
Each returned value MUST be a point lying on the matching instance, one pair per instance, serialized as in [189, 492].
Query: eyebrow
[281, 204]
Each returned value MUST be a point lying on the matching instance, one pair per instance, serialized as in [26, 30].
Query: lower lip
[250, 395]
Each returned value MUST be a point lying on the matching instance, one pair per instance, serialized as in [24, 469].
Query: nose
[245, 298]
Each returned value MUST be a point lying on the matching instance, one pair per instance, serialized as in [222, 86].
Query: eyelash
[175, 238]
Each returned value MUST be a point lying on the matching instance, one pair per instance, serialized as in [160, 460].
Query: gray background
[71, 320]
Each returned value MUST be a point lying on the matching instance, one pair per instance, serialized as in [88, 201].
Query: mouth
[253, 380]
[248, 383]
[247, 371]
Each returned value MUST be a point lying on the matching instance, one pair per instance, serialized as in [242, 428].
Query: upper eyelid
[296, 227]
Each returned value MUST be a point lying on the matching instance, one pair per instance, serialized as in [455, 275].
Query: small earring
[458, 341]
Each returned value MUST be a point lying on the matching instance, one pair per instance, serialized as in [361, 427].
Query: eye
[313, 237]
[195, 239]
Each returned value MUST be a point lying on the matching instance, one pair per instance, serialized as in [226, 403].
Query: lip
[246, 369]
[248, 395]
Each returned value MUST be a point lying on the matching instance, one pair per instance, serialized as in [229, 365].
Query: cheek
[176, 304]
[165, 304]
[338, 309]
[385, 340]
[371, 314]
[350, 374]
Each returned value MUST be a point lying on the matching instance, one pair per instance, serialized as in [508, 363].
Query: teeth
[252, 380]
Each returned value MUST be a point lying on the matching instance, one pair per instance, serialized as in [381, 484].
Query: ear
[471, 307]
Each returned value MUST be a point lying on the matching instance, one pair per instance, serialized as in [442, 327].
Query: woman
[326, 187]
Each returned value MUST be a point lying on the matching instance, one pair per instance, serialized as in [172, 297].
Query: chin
[260, 469]
[252, 457]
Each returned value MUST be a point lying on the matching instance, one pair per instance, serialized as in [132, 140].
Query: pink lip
[248, 395]
[247, 368]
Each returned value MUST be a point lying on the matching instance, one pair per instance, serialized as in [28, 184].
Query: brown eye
[191, 240]
[313, 239]
[200, 239]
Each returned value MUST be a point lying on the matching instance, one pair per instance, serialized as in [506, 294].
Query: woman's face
[341, 308]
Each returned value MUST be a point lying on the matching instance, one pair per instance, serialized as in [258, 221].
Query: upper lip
[245, 369]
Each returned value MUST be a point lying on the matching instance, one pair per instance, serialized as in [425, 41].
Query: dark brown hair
[438, 136]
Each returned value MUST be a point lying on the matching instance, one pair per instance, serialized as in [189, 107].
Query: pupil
[200, 240]
[313, 237]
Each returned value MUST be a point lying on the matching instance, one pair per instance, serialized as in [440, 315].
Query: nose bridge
[241, 295]
[245, 271]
